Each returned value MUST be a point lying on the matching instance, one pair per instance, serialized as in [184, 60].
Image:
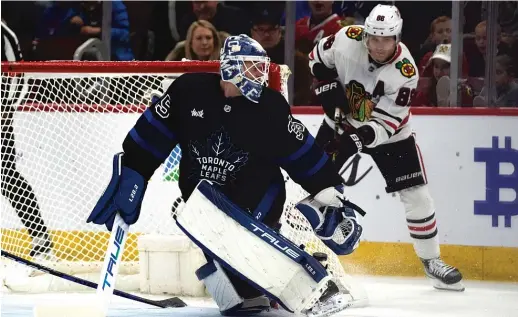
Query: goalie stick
[112, 259]
[165, 303]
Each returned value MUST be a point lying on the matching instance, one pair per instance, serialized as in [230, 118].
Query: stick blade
[171, 302]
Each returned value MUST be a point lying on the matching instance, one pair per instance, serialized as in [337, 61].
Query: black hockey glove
[348, 144]
[321, 72]
[331, 95]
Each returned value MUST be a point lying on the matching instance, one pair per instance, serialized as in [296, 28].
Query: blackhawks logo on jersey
[406, 68]
[360, 102]
[354, 32]
[218, 160]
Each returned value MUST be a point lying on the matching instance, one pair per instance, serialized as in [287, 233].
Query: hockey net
[69, 119]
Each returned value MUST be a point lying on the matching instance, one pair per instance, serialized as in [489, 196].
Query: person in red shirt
[321, 23]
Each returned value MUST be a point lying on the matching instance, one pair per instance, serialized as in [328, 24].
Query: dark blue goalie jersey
[232, 142]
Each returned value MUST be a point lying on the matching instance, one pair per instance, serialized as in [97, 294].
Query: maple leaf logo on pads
[218, 160]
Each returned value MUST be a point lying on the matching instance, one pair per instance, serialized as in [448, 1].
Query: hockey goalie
[236, 134]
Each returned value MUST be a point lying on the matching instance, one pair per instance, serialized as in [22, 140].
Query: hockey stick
[165, 303]
[112, 259]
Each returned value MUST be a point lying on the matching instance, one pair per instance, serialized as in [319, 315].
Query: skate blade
[456, 287]
[333, 305]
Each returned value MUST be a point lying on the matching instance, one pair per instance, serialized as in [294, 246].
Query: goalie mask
[244, 63]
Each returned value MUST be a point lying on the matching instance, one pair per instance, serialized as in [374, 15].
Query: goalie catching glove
[333, 219]
[123, 195]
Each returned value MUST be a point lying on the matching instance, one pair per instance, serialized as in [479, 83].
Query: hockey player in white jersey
[367, 81]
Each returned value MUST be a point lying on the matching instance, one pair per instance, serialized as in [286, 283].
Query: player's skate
[442, 275]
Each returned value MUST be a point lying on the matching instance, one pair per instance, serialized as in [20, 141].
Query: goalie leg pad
[251, 250]
[225, 295]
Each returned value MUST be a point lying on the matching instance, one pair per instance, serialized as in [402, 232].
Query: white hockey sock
[421, 221]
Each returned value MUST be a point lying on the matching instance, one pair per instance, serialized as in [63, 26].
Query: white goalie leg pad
[251, 250]
[219, 286]
[225, 295]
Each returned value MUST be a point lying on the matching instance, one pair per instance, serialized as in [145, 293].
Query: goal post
[69, 118]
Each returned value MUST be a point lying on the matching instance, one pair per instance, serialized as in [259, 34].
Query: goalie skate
[331, 302]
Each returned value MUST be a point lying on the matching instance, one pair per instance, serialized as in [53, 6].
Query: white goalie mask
[245, 63]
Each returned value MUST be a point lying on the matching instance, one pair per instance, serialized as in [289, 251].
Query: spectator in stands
[23, 18]
[440, 33]
[320, 23]
[84, 20]
[57, 21]
[56, 29]
[506, 84]
[435, 91]
[353, 12]
[223, 17]
[267, 31]
[508, 16]
[203, 43]
[476, 55]
[89, 18]
[509, 38]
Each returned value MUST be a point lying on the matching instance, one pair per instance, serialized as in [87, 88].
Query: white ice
[389, 297]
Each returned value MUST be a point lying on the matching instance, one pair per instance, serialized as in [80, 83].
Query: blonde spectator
[203, 43]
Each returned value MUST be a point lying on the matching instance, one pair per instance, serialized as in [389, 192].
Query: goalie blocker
[234, 240]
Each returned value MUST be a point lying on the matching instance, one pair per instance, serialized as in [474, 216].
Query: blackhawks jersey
[379, 95]
[329, 26]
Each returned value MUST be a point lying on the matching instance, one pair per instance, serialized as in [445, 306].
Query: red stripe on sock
[426, 228]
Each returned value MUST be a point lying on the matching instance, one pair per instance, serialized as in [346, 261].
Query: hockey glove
[331, 95]
[123, 195]
[333, 219]
[347, 145]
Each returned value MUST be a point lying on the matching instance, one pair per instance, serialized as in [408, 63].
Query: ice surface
[389, 297]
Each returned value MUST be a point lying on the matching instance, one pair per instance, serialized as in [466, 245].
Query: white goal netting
[68, 119]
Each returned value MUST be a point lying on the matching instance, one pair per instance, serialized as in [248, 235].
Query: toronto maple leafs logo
[218, 160]
[296, 128]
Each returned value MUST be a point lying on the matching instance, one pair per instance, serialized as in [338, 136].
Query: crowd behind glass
[195, 30]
